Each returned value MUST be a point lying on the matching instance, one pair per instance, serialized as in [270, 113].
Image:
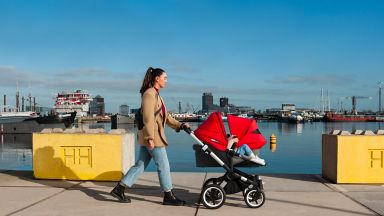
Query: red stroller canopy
[212, 131]
[247, 131]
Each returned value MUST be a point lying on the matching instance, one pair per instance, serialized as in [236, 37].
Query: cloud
[83, 72]
[239, 91]
[180, 66]
[10, 77]
[314, 80]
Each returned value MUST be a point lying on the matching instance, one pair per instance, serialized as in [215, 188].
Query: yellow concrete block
[102, 157]
[353, 158]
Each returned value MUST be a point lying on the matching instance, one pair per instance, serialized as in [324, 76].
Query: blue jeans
[244, 150]
[160, 157]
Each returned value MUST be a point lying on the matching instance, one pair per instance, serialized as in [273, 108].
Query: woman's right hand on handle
[151, 144]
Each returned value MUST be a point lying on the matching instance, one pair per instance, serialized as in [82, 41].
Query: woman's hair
[150, 78]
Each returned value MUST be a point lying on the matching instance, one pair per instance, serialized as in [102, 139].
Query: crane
[354, 111]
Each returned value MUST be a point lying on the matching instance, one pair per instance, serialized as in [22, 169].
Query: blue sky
[257, 53]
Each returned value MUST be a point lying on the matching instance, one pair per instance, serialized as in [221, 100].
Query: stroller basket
[204, 160]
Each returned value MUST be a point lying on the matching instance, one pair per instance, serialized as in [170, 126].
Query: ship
[37, 124]
[14, 117]
[73, 101]
[187, 117]
[335, 117]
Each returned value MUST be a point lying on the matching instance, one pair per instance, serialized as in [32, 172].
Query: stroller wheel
[209, 181]
[213, 196]
[254, 198]
[245, 191]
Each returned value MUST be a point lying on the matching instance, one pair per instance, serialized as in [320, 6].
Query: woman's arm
[173, 123]
[148, 107]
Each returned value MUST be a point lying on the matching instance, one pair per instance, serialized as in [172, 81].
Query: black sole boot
[118, 192]
[171, 199]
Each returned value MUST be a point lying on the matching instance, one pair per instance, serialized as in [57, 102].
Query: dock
[287, 194]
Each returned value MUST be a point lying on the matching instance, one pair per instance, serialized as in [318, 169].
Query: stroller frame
[213, 195]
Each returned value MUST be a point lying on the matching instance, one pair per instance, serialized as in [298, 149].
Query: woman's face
[161, 80]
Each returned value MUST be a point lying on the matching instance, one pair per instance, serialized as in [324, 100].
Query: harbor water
[298, 147]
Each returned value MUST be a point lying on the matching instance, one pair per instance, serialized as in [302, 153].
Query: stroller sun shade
[212, 131]
[247, 131]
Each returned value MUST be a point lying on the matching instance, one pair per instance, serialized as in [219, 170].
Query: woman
[152, 138]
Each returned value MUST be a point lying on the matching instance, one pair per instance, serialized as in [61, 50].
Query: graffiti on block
[376, 158]
[77, 155]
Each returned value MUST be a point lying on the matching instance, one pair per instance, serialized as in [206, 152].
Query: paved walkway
[20, 194]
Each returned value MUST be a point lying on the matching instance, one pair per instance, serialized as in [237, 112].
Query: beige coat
[153, 120]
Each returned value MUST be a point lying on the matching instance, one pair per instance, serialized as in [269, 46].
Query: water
[298, 148]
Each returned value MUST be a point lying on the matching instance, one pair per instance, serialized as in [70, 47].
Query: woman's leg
[159, 155]
[134, 172]
[161, 159]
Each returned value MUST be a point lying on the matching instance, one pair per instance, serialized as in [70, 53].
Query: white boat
[71, 101]
[14, 117]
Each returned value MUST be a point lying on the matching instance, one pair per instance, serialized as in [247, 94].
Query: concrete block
[57, 130]
[353, 159]
[73, 130]
[368, 132]
[47, 130]
[334, 132]
[344, 133]
[357, 132]
[80, 156]
[93, 131]
[117, 131]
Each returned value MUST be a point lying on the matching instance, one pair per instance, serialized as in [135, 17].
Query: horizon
[257, 53]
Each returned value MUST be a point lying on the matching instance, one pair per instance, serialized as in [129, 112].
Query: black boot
[118, 192]
[171, 199]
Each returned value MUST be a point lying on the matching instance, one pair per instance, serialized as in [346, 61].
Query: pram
[211, 150]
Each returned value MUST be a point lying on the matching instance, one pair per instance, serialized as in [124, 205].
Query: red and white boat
[71, 101]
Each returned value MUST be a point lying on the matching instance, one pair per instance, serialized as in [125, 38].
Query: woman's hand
[186, 125]
[151, 144]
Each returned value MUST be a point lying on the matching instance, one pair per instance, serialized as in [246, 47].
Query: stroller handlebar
[188, 130]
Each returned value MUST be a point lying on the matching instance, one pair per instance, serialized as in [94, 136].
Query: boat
[37, 124]
[335, 117]
[94, 119]
[290, 117]
[186, 117]
[67, 120]
[14, 117]
[71, 101]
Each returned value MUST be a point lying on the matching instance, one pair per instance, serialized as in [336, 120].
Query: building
[207, 101]
[224, 102]
[97, 106]
[288, 107]
[124, 109]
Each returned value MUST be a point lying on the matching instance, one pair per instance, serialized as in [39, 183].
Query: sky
[258, 53]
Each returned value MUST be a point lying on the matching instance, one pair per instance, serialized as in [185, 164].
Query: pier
[291, 194]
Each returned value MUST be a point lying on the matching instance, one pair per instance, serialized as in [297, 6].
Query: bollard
[272, 143]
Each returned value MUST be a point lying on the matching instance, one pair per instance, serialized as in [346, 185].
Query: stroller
[211, 151]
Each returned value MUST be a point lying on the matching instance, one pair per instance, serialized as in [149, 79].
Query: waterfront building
[288, 107]
[124, 109]
[97, 106]
[224, 102]
[207, 101]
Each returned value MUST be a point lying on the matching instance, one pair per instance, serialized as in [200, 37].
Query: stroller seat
[204, 160]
